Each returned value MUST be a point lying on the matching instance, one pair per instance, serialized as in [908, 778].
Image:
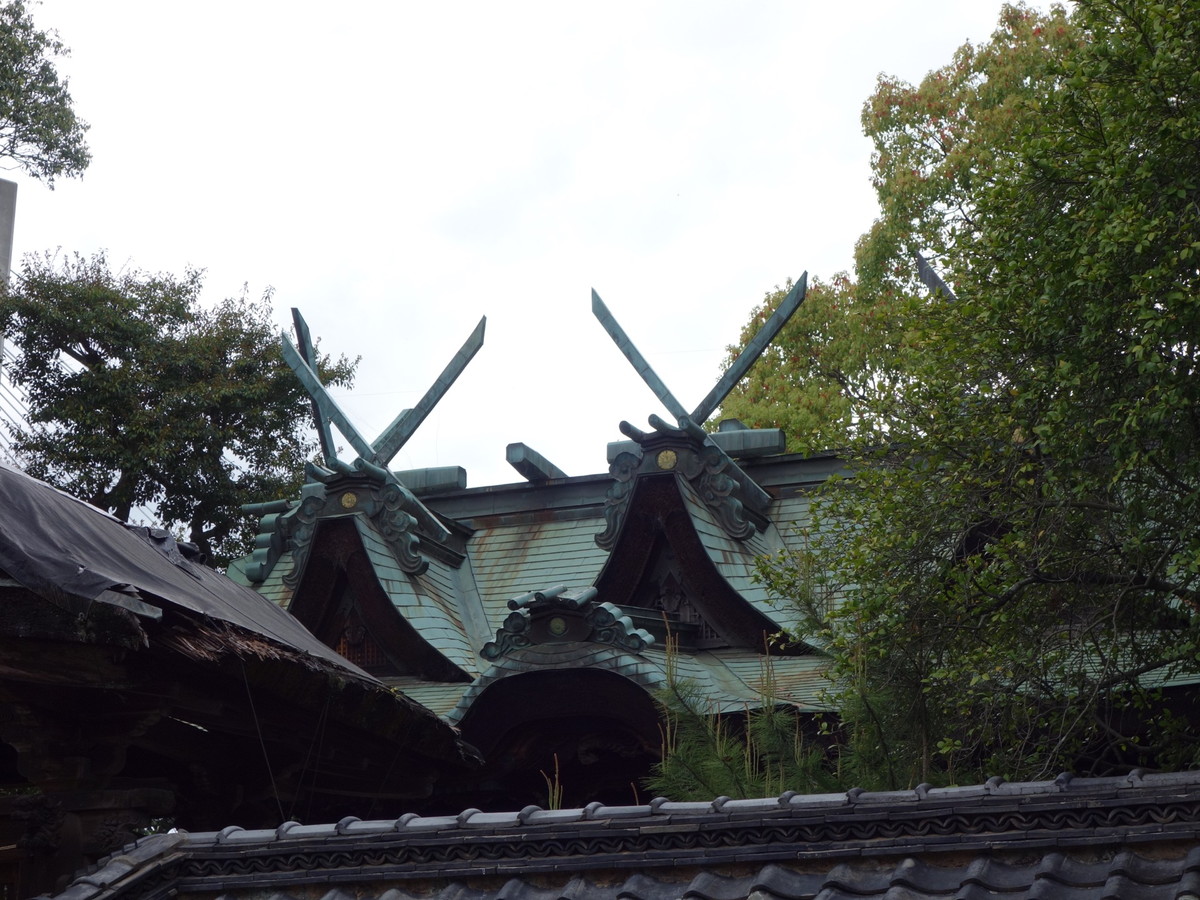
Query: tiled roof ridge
[1068, 812]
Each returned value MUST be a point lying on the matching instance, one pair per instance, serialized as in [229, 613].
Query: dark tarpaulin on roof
[74, 554]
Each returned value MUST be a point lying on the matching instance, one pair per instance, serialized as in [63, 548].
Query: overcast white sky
[397, 170]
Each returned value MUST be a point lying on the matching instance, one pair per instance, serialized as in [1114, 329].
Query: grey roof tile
[858, 880]
[891, 798]
[681, 808]
[1124, 876]
[620, 812]
[817, 801]
[430, 823]
[957, 794]
[643, 887]
[478, 819]
[372, 826]
[710, 886]
[297, 831]
[757, 805]
[1189, 883]
[256, 836]
[554, 817]
[1138, 836]
[150, 847]
[776, 881]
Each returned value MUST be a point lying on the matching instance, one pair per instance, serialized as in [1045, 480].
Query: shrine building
[540, 618]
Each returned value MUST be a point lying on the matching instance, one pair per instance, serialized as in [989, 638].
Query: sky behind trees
[398, 170]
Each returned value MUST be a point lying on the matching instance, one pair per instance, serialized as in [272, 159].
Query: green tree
[38, 126]
[823, 376]
[162, 402]
[837, 370]
[1024, 555]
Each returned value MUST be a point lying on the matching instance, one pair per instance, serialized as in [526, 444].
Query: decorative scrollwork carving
[380, 498]
[616, 501]
[609, 626]
[513, 635]
[710, 473]
[718, 481]
[399, 527]
[556, 617]
[300, 528]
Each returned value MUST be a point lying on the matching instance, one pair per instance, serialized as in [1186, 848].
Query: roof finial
[748, 356]
[373, 457]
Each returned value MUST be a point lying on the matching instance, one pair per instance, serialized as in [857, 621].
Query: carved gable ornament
[685, 449]
[556, 616]
[737, 503]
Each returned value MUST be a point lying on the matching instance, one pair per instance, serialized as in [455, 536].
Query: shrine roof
[671, 539]
[532, 535]
[437, 604]
[1133, 836]
[728, 680]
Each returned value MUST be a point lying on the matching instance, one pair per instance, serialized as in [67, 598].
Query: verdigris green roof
[441, 697]
[734, 679]
[728, 680]
[734, 559]
[273, 587]
[510, 558]
[802, 680]
[432, 603]
[516, 539]
[789, 512]
[792, 515]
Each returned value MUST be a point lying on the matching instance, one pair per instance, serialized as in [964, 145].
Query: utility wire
[14, 414]
[261, 742]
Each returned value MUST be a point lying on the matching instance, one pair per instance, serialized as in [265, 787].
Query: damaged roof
[108, 583]
[73, 555]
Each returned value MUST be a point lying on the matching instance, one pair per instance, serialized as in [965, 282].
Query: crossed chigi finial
[692, 422]
[373, 456]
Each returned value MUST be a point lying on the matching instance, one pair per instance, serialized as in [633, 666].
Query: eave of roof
[67, 555]
[1077, 834]
[73, 554]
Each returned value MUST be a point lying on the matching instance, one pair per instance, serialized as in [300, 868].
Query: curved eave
[431, 602]
[665, 507]
[727, 681]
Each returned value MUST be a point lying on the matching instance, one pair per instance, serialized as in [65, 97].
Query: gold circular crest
[349, 500]
[558, 625]
[667, 459]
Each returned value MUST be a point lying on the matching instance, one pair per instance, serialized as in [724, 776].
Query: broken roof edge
[70, 553]
[1053, 817]
[66, 553]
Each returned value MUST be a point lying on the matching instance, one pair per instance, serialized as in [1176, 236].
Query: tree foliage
[1022, 561]
[140, 396]
[38, 126]
[822, 378]
[834, 374]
